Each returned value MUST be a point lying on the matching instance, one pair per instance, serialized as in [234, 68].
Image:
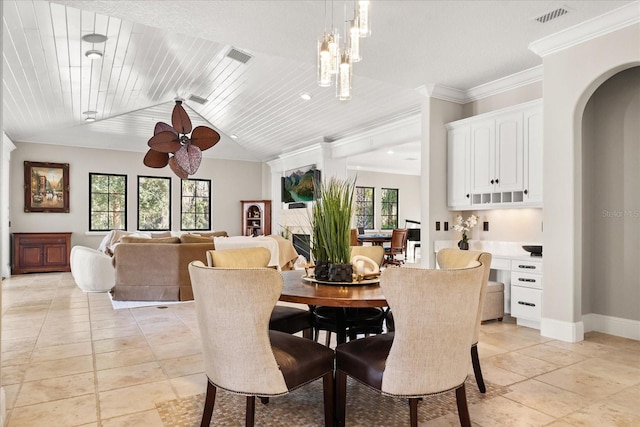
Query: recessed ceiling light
[390, 152]
[94, 38]
[91, 115]
[93, 54]
[305, 95]
[233, 136]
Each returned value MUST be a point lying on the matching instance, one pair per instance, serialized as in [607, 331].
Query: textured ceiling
[159, 50]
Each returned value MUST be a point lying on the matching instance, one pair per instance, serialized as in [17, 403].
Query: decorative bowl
[535, 250]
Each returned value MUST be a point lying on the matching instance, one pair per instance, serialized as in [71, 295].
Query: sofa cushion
[130, 239]
[194, 238]
[160, 234]
[214, 234]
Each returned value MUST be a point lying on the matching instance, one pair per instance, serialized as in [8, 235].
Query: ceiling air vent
[235, 54]
[198, 99]
[551, 15]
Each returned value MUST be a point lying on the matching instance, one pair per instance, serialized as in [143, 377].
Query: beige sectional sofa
[156, 269]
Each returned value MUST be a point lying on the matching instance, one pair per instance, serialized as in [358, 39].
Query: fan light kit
[94, 38]
[93, 54]
[187, 151]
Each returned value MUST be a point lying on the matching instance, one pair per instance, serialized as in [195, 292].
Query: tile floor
[69, 359]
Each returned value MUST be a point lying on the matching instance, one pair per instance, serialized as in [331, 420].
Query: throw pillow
[215, 234]
[160, 234]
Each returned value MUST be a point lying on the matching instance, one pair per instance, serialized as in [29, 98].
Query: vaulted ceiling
[157, 51]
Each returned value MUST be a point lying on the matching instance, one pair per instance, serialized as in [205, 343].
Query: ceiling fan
[186, 151]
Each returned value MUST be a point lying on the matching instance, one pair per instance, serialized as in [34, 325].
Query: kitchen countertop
[498, 249]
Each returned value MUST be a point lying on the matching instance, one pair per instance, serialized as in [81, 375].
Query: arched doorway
[611, 205]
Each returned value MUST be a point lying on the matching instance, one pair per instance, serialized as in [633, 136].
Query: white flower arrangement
[464, 226]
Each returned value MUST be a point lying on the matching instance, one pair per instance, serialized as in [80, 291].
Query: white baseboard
[625, 328]
[560, 330]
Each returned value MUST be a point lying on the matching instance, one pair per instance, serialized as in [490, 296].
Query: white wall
[408, 193]
[232, 181]
[570, 78]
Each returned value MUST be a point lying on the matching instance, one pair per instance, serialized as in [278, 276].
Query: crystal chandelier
[336, 60]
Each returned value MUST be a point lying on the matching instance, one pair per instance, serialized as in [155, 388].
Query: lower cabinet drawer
[526, 303]
[526, 280]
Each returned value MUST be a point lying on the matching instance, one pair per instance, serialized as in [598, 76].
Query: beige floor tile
[27, 332]
[115, 344]
[623, 356]
[59, 368]
[61, 351]
[522, 365]
[106, 333]
[498, 375]
[552, 354]
[604, 414]
[22, 344]
[181, 348]
[629, 399]
[10, 358]
[149, 418]
[56, 388]
[11, 394]
[181, 366]
[504, 412]
[546, 398]
[581, 382]
[12, 374]
[119, 322]
[560, 423]
[190, 385]
[487, 350]
[449, 420]
[66, 412]
[130, 400]
[116, 359]
[126, 376]
[63, 338]
[510, 341]
[587, 348]
[612, 340]
[610, 370]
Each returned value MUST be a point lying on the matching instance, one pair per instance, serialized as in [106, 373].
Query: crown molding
[611, 21]
[504, 84]
[446, 93]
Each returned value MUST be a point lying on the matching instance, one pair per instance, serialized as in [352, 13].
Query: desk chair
[398, 247]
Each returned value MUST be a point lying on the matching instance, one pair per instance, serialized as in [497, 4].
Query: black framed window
[107, 202]
[364, 198]
[154, 203]
[195, 207]
[389, 208]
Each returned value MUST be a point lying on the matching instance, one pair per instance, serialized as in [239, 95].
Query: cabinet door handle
[528, 304]
[526, 280]
[492, 181]
[497, 181]
[532, 267]
[467, 196]
[526, 191]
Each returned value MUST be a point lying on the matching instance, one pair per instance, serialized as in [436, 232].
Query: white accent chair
[92, 270]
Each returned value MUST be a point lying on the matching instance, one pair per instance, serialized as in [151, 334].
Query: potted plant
[331, 228]
[465, 226]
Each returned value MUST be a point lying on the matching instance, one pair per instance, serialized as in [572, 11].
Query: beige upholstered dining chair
[283, 318]
[435, 314]
[450, 258]
[245, 357]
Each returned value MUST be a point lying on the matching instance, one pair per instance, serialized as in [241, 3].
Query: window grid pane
[107, 202]
[195, 204]
[389, 208]
[154, 203]
[364, 207]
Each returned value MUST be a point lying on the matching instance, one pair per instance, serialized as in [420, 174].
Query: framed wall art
[46, 187]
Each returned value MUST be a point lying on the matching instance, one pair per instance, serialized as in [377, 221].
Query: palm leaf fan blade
[156, 159]
[163, 127]
[180, 120]
[204, 137]
[175, 167]
[188, 158]
[165, 142]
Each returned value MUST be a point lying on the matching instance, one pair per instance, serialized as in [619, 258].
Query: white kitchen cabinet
[504, 160]
[458, 174]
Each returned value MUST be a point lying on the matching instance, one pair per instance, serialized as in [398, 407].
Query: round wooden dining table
[301, 291]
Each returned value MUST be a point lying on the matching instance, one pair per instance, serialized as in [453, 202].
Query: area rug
[119, 305]
[304, 408]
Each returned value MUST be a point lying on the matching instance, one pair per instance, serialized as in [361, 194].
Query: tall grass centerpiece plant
[331, 228]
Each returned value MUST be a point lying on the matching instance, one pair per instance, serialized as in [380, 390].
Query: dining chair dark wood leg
[463, 409]
[209, 400]
[475, 361]
[251, 411]
[413, 411]
[341, 397]
[328, 389]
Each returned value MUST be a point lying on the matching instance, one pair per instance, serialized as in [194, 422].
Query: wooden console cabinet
[41, 252]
